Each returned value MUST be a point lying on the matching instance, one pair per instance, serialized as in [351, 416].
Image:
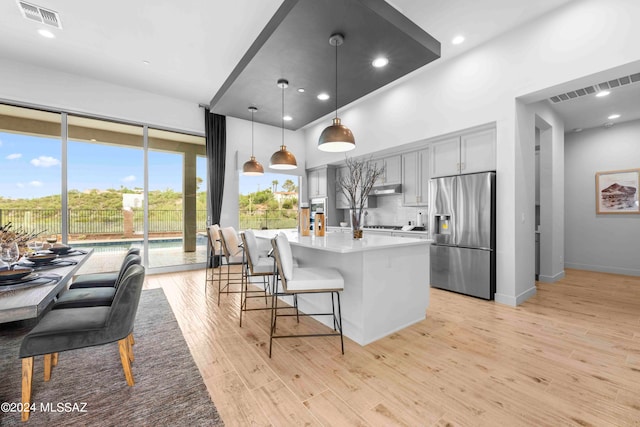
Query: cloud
[129, 178]
[20, 185]
[13, 156]
[0, 143]
[35, 184]
[45, 162]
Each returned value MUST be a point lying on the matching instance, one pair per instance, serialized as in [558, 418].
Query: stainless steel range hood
[386, 190]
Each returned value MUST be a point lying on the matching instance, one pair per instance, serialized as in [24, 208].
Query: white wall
[608, 243]
[30, 84]
[481, 86]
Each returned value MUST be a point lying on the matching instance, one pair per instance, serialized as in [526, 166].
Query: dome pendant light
[337, 137]
[252, 167]
[283, 159]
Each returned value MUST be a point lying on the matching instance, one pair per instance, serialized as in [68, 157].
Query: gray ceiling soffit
[294, 45]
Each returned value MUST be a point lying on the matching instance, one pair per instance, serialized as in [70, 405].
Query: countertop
[380, 230]
[344, 242]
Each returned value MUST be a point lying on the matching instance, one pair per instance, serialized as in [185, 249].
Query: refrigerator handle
[454, 213]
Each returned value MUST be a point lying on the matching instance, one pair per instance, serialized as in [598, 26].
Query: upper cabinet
[415, 178]
[468, 153]
[317, 182]
[392, 170]
[341, 200]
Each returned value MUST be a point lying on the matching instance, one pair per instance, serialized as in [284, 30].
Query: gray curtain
[215, 128]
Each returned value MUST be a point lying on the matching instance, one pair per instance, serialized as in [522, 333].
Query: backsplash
[390, 211]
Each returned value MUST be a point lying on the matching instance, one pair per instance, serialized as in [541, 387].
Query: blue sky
[31, 167]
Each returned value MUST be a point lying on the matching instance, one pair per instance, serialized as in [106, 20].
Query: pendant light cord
[252, 133]
[336, 80]
[283, 115]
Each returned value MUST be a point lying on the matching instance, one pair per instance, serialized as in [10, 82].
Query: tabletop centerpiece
[356, 186]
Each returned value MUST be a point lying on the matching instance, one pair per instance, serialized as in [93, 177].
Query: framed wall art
[617, 192]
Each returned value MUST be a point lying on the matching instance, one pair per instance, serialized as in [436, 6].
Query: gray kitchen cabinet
[466, 153]
[392, 170]
[415, 178]
[317, 185]
[342, 202]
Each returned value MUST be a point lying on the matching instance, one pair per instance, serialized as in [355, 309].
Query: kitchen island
[386, 280]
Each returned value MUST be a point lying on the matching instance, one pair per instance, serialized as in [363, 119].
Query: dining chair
[75, 328]
[96, 280]
[95, 296]
[299, 281]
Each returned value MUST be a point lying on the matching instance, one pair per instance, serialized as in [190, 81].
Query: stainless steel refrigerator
[462, 223]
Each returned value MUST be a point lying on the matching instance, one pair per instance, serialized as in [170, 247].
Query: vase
[356, 223]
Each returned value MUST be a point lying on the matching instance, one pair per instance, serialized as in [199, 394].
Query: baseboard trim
[515, 301]
[551, 279]
[603, 269]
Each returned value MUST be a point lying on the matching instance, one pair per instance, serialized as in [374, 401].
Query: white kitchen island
[386, 280]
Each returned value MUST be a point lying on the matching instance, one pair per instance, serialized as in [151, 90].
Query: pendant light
[337, 137]
[283, 159]
[252, 167]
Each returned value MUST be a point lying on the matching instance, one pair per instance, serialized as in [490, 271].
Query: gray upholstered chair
[303, 280]
[98, 296]
[107, 279]
[75, 328]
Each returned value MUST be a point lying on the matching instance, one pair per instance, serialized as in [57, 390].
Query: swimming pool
[120, 246]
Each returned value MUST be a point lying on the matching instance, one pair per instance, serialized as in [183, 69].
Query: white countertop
[344, 242]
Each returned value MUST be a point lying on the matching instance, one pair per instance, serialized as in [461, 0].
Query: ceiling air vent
[611, 84]
[39, 14]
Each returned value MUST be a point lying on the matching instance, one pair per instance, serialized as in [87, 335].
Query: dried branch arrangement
[8, 234]
[357, 184]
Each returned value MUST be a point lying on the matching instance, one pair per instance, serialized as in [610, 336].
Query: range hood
[386, 190]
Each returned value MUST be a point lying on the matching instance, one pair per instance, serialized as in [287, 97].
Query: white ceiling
[193, 45]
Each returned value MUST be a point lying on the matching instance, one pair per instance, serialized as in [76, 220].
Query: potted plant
[356, 186]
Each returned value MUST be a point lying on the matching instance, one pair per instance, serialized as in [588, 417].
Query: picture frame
[617, 192]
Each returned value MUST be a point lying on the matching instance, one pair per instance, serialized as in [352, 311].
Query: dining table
[28, 298]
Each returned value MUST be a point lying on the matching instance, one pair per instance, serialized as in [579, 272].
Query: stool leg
[47, 367]
[27, 376]
[295, 303]
[124, 358]
[340, 322]
[54, 359]
[131, 339]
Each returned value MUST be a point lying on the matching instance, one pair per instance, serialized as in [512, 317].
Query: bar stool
[214, 254]
[258, 264]
[233, 255]
[303, 280]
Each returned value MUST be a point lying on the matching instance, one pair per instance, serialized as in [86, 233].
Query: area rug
[88, 385]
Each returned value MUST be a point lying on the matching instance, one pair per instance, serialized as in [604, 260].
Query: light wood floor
[568, 356]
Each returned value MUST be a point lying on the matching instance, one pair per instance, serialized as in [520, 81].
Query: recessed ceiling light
[287, 118]
[323, 96]
[602, 93]
[145, 62]
[613, 116]
[457, 39]
[301, 90]
[93, 140]
[380, 62]
[577, 130]
[46, 33]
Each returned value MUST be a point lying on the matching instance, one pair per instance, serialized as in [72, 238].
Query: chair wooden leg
[123, 346]
[54, 359]
[131, 339]
[47, 367]
[130, 348]
[27, 376]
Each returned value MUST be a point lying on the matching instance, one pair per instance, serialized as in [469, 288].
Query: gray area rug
[168, 387]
